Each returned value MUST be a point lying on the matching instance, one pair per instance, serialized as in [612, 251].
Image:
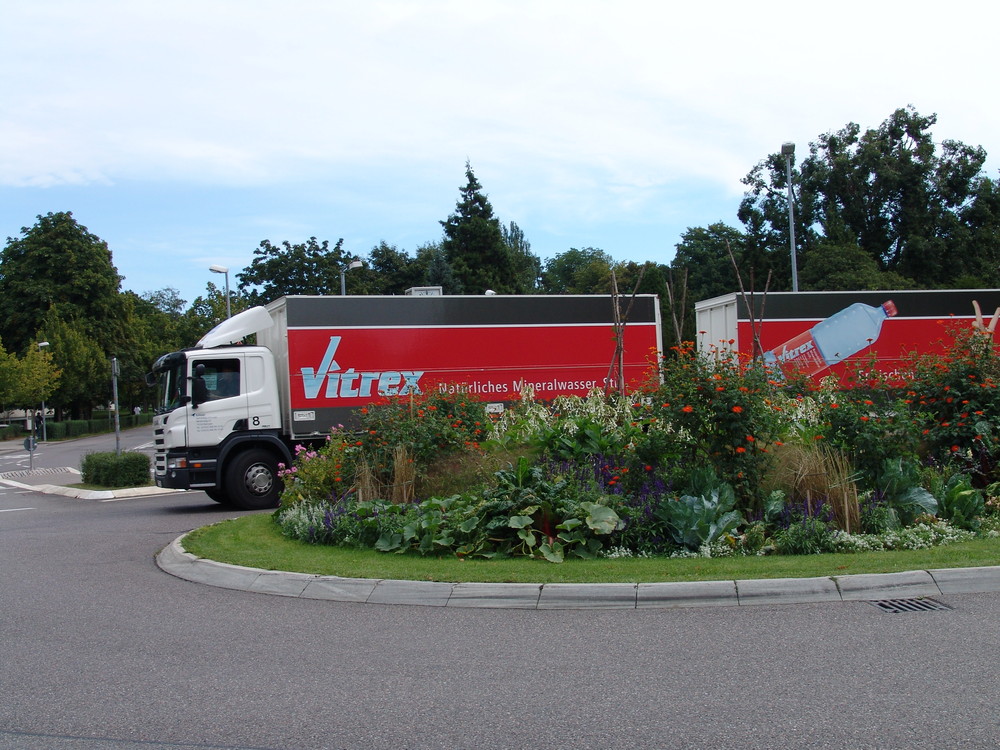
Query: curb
[103, 496]
[173, 559]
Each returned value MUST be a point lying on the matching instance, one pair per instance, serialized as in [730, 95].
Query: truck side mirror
[199, 390]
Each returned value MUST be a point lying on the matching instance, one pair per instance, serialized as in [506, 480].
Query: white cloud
[574, 113]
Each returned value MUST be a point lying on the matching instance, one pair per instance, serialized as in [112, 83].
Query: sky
[184, 133]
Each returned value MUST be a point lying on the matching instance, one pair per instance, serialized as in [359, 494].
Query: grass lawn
[254, 541]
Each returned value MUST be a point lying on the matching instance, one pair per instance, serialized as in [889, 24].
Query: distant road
[57, 454]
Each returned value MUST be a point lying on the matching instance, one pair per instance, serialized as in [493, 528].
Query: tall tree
[9, 377]
[918, 208]
[390, 271]
[35, 378]
[704, 255]
[58, 263]
[306, 268]
[208, 310]
[578, 271]
[435, 270]
[527, 265]
[85, 370]
[474, 246]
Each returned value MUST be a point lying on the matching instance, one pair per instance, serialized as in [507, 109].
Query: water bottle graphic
[833, 340]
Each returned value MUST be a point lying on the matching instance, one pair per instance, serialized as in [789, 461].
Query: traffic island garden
[717, 458]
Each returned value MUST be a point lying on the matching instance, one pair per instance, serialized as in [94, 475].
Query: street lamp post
[343, 284]
[788, 151]
[45, 438]
[225, 270]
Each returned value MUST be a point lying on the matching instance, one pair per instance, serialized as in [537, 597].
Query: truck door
[218, 390]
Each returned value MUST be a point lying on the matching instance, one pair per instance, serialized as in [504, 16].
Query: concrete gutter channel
[175, 560]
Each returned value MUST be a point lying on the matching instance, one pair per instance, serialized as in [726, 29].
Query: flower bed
[718, 456]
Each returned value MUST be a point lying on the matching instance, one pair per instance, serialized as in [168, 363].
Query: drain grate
[894, 606]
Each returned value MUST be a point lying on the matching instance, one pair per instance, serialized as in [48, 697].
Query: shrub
[427, 426]
[809, 535]
[527, 513]
[110, 470]
[77, 427]
[870, 428]
[958, 501]
[959, 393]
[817, 473]
[11, 432]
[703, 514]
[724, 412]
[899, 482]
[320, 473]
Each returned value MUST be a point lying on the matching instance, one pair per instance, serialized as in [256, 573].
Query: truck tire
[252, 480]
[217, 494]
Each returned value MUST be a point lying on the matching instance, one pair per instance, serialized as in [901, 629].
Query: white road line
[11, 510]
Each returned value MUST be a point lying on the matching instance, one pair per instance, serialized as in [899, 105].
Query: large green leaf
[519, 522]
[551, 552]
[600, 518]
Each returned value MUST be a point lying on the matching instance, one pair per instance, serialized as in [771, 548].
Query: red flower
[737, 409]
[687, 409]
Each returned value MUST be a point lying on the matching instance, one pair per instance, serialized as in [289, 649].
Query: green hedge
[75, 427]
[109, 470]
[12, 432]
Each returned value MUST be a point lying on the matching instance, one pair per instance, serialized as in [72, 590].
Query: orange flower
[741, 449]
[737, 409]
[687, 409]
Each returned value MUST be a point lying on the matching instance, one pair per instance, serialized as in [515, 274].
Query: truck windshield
[171, 385]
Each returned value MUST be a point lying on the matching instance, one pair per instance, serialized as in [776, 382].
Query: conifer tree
[474, 244]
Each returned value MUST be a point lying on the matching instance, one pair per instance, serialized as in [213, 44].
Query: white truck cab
[218, 425]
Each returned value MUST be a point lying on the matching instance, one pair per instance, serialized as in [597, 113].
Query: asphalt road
[51, 455]
[100, 650]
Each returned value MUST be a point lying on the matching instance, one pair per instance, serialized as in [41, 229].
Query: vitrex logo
[787, 354]
[352, 384]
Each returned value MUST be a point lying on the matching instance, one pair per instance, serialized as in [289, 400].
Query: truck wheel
[217, 494]
[252, 481]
